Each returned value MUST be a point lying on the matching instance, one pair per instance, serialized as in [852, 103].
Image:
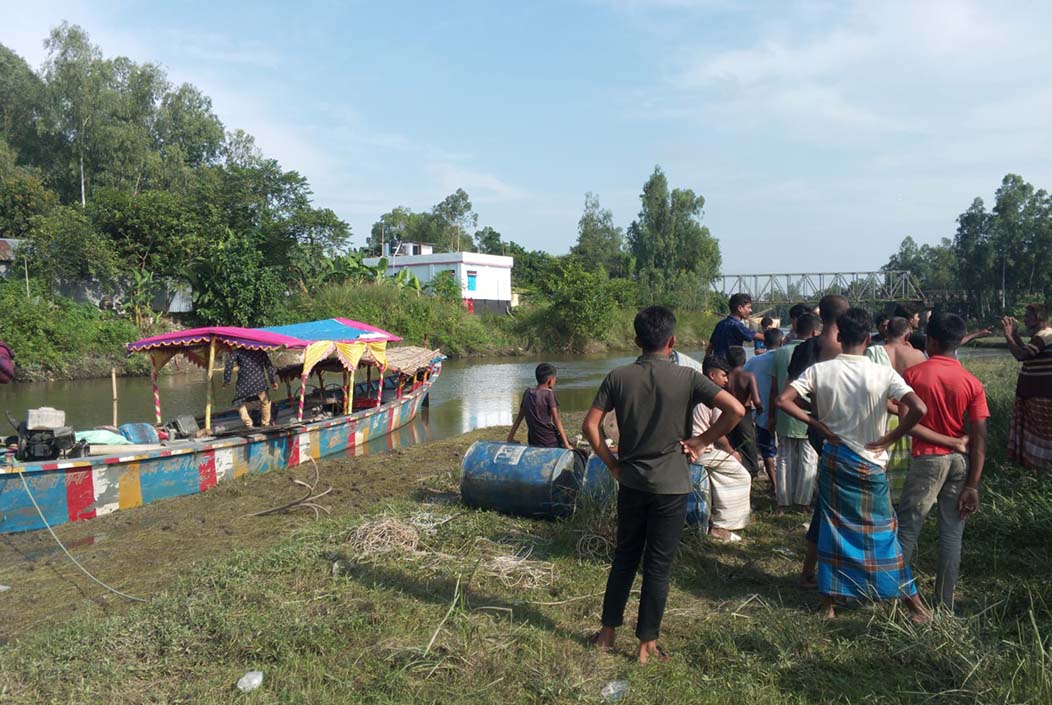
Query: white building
[485, 280]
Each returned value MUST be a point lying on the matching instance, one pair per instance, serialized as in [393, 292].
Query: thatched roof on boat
[409, 359]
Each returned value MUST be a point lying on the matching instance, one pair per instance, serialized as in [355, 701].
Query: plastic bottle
[614, 691]
[250, 681]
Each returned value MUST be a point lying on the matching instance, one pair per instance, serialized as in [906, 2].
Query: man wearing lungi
[729, 480]
[1030, 435]
[652, 399]
[858, 550]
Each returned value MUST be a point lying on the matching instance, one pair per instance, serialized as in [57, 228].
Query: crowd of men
[867, 437]
[867, 433]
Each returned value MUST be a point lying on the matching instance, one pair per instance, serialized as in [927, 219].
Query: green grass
[434, 625]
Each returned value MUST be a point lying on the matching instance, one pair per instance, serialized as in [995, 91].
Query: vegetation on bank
[438, 619]
[119, 182]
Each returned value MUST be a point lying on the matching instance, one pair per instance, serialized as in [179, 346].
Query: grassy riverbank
[452, 618]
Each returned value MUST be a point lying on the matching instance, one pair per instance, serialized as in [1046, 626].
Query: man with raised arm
[653, 400]
[732, 329]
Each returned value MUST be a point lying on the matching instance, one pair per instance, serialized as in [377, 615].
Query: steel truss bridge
[860, 287]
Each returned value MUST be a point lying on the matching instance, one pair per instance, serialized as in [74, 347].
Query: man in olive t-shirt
[653, 400]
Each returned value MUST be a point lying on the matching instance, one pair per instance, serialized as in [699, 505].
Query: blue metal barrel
[698, 502]
[597, 485]
[518, 479]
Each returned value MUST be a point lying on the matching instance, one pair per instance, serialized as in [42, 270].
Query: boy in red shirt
[946, 461]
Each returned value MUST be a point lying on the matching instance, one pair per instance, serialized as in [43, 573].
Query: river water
[469, 394]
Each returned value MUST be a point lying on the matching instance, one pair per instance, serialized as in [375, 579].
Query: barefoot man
[653, 400]
[859, 555]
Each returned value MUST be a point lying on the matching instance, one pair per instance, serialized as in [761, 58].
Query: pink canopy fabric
[295, 336]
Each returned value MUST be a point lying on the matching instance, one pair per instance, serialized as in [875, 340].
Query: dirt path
[141, 551]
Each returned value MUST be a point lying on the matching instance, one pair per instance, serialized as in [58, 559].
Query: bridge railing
[790, 288]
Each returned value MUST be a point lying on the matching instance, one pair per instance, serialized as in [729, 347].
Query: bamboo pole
[211, 391]
[113, 379]
[346, 393]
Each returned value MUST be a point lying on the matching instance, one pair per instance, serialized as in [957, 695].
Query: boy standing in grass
[940, 469]
[653, 401]
[540, 408]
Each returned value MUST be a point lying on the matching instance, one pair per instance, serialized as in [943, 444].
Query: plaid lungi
[898, 462]
[858, 549]
[1030, 436]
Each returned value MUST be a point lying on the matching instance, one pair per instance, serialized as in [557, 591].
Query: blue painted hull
[74, 490]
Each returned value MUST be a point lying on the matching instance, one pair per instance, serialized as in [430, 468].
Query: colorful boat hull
[74, 490]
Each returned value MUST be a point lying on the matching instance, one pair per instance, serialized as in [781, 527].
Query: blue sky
[820, 133]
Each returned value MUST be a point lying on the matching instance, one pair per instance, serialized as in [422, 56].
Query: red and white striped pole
[303, 392]
[156, 393]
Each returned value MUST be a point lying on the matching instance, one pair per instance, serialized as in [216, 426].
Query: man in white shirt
[859, 555]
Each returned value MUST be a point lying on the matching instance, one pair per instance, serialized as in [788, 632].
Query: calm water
[470, 394]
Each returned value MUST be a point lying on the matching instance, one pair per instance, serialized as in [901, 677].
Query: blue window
[472, 280]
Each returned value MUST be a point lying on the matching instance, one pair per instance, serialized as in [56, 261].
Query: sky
[820, 133]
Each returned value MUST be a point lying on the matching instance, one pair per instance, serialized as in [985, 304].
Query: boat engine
[43, 435]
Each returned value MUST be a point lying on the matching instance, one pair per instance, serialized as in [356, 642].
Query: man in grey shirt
[653, 400]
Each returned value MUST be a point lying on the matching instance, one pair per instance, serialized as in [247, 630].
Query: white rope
[68, 555]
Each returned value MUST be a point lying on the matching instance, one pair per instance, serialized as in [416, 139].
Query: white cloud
[481, 186]
[871, 67]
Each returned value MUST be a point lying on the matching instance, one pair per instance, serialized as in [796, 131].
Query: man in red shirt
[946, 461]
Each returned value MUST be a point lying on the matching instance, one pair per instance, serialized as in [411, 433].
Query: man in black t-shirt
[653, 400]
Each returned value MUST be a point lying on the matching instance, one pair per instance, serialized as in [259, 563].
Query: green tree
[23, 196]
[77, 78]
[233, 284]
[153, 231]
[21, 108]
[445, 287]
[125, 152]
[600, 243]
[676, 256]
[934, 266]
[188, 131]
[533, 268]
[64, 248]
[455, 217]
[583, 304]
[488, 242]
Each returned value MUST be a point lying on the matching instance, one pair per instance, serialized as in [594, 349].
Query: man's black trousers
[649, 526]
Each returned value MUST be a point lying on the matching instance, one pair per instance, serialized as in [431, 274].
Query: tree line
[996, 260]
[111, 174]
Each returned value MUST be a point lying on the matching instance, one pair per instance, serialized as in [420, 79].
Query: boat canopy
[349, 340]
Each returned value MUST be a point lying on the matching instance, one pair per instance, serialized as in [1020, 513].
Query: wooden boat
[328, 420]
